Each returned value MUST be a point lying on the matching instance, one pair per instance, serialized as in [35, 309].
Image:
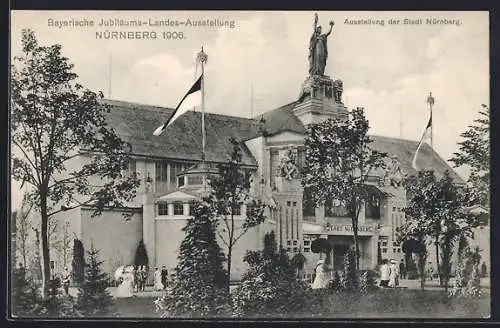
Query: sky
[389, 69]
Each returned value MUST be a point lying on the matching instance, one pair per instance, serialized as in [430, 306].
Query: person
[320, 279]
[158, 285]
[136, 278]
[484, 270]
[318, 49]
[126, 288]
[385, 272]
[144, 277]
[164, 276]
[430, 271]
[66, 279]
[402, 269]
[393, 275]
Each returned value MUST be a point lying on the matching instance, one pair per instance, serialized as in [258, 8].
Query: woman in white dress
[393, 276]
[321, 280]
[126, 288]
[157, 280]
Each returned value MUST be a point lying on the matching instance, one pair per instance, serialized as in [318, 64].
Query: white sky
[387, 69]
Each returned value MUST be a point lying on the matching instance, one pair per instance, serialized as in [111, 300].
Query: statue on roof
[318, 50]
[288, 165]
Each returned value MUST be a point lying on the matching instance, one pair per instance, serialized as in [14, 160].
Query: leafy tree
[474, 152]
[141, 255]
[24, 227]
[200, 286]
[94, 298]
[55, 122]
[229, 191]
[78, 263]
[339, 160]
[434, 211]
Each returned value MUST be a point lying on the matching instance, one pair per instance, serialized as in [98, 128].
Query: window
[288, 203]
[178, 208]
[162, 209]
[307, 242]
[308, 208]
[384, 250]
[132, 167]
[161, 171]
[307, 249]
[195, 180]
[295, 249]
[288, 242]
[335, 209]
[294, 204]
[372, 209]
[237, 210]
[384, 243]
[180, 181]
[52, 264]
[295, 242]
[394, 250]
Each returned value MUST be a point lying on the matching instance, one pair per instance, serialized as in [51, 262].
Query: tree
[141, 255]
[474, 152]
[339, 160]
[78, 263]
[94, 298]
[229, 191]
[55, 120]
[24, 297]
[434, 209]
[350, 280]
[200, 286]
[24, 231]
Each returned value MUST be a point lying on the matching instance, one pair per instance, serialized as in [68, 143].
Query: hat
[393, 261]
[320, 262]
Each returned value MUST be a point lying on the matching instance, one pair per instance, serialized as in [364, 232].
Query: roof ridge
[156, 108]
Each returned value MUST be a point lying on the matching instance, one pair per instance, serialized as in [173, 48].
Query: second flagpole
[202, 59]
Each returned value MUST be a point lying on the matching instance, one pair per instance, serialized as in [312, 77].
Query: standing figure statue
[318, 50]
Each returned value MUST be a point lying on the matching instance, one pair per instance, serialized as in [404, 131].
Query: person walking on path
[385, 272]
[402, 269]
[393, 275]
[66, 279]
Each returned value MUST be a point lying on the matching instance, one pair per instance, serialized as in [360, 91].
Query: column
[149, 231]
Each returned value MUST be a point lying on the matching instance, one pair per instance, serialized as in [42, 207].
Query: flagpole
[430, 101]
[202, 59]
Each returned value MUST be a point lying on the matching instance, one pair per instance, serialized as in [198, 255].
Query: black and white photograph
[280, 165]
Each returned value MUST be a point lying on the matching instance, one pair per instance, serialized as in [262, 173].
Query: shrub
[24, 296]
[350, 276]
[141, 255]
[270, 287]
[335, 284]
[367, 283]
[199, 289]
[93, 298]
[78, 263]
[467, 279]
[57, 305]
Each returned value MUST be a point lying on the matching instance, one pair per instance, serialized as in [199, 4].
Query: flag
[426, 133]
[190, 99]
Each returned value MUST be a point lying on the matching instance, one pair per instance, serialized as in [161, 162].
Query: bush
[367, 283]
[270, 287]
[57, 305]
[78, 263]
[349, 279]
[93, 298]
[24, 296]
[467, 278]
[200, 288]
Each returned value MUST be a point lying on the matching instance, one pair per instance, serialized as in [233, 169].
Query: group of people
[140, 278]
[390, 273]
[161, 278]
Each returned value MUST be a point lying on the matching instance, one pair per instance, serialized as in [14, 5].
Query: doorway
[339, 250]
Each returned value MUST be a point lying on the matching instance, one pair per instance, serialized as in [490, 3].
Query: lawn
[389, 303]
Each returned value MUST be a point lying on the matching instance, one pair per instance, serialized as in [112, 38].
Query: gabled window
[178, 208]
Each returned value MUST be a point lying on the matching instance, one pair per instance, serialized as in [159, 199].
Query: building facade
[272, 144]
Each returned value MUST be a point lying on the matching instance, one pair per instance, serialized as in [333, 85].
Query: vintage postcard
[238, 164]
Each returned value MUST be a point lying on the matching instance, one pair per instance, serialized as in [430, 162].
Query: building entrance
[339, 251]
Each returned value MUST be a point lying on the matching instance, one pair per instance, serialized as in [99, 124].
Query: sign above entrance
[346, 229]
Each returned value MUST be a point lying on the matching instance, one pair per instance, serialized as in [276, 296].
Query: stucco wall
[114, 236]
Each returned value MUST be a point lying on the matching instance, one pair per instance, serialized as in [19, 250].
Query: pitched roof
[282, 119]
[135, 123]
[405, 150]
